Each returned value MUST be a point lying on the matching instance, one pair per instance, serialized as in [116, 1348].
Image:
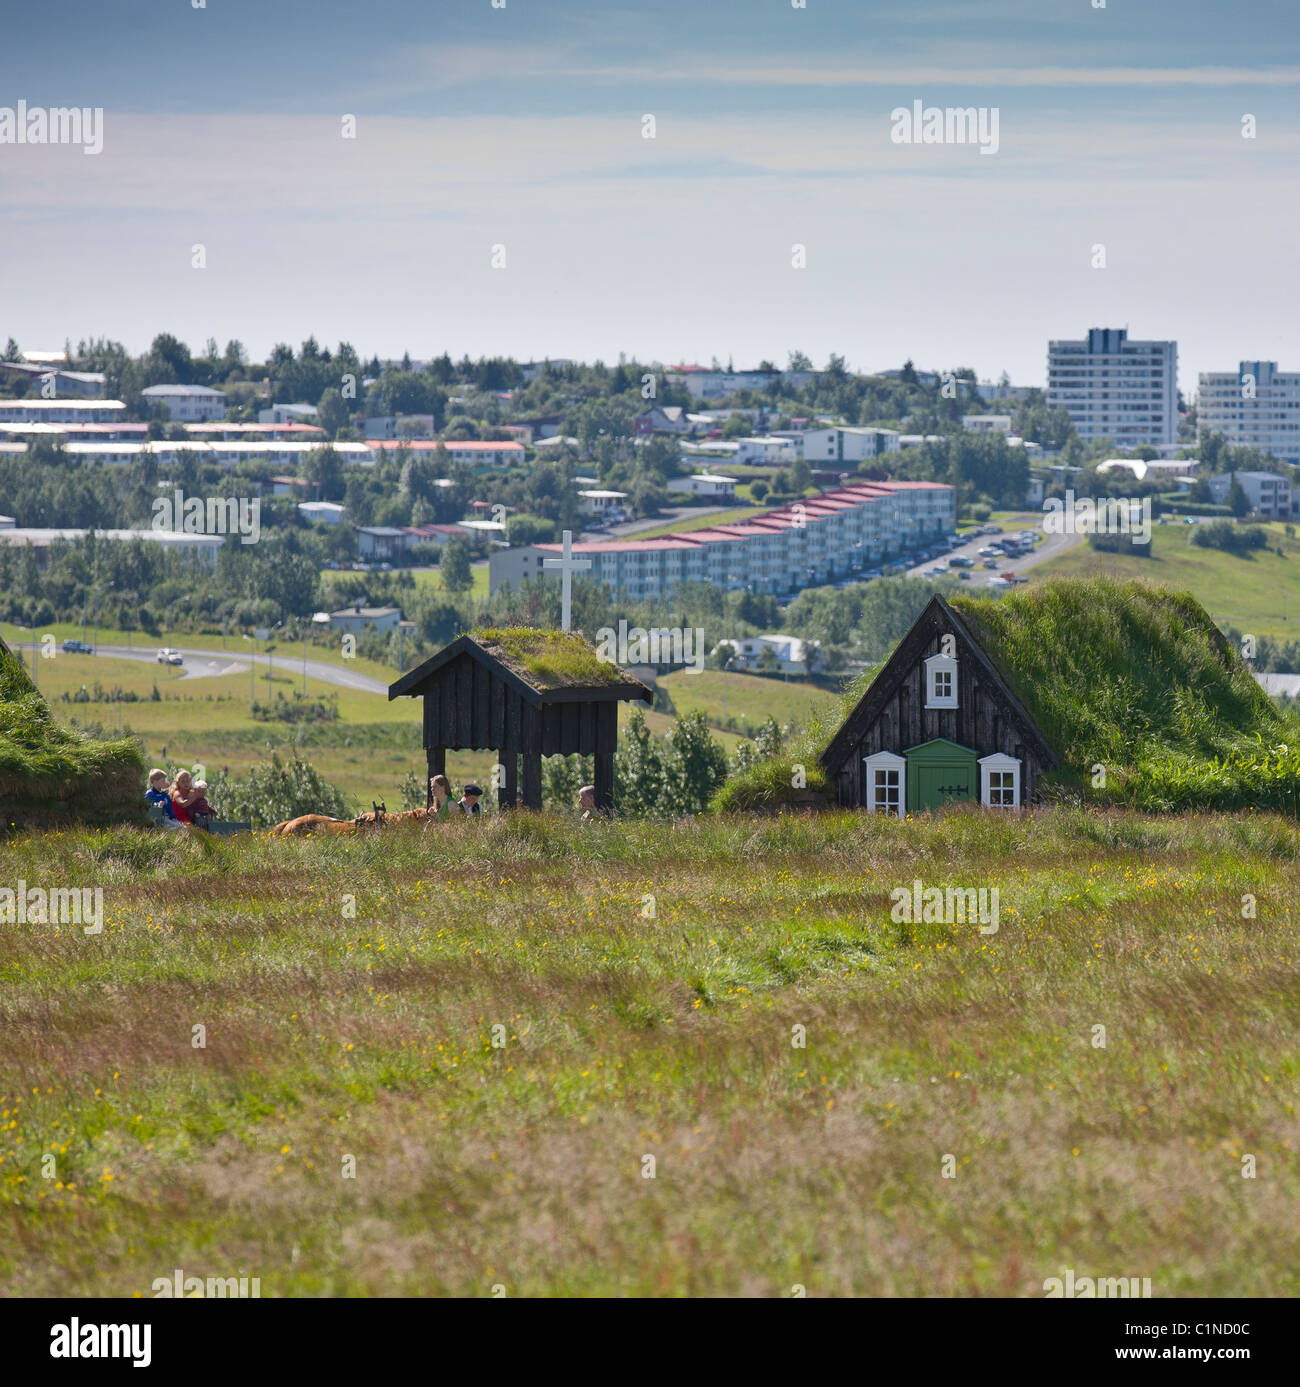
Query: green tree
[332, 412]
[456, 573]
[696, 765]
[638, 770]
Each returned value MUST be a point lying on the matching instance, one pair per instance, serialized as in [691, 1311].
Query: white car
[168, 656]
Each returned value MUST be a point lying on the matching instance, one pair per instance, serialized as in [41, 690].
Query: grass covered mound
[1114, 671]
[550, 659]
[1125, 676]
[51, 776]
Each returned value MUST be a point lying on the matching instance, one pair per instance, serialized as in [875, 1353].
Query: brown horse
[379, 817]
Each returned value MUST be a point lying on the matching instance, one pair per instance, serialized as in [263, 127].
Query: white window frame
[886, 761]
[999, 762]
[940, 664]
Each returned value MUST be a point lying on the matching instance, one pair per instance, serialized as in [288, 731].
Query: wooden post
[509, 787]
[604, 761]
[532, 780]
[437, 764]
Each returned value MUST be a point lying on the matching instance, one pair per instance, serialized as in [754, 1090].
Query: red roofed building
[782, 551]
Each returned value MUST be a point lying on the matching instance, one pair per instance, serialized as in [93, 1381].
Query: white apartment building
[765, 450]
[1115, 388]
[986, 423]
[822, 446]
[1258, 407]
[707, 484]
[61, 411]
[1266, 492]
[783, 551]
[187, 404]
[704, 384]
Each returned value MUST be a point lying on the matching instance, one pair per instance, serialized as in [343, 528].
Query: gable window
[886, 784]
[941, 682]
[1000, 781]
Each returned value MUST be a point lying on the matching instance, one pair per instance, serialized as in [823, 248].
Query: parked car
[168, 656]
[961, 561]
[964, 576]
[992, 563]
[76, 647]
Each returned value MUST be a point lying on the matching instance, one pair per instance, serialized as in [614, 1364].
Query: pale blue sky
[522, 126]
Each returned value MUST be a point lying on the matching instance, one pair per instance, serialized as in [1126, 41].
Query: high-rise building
[1259, 407]
[1116, 388]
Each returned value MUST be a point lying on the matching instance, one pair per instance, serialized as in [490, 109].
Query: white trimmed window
[1000, 781]
[886, 784]
[941, 681]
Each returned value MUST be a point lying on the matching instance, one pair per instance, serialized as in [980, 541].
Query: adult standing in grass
[469, 800]
[587, 802]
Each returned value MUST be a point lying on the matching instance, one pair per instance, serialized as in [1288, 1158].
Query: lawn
[1258, 594]
[695, 522]
[657, 1060]
[425, 578]
[745, 701]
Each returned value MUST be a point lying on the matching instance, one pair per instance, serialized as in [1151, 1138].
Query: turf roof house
[938, 723]
[526, 693]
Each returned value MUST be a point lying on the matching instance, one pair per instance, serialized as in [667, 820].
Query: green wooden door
[938, 772]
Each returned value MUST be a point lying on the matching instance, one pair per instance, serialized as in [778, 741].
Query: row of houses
[815, 541]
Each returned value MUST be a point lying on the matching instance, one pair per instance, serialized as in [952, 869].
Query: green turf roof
[550, 660]
[1111, 671]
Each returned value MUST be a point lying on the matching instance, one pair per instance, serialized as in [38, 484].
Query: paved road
[204, 664]
[1051, 547]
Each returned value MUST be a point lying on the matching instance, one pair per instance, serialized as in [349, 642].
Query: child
[201, 812]
[440, 789]
[183, 796]
[157, 794]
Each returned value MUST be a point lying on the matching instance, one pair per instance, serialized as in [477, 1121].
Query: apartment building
[1266, 492]
[472, 452]
[804, 544]
[1116, 388]
[187, 404]
[821, 446]
[61, 411]
[1258, 407]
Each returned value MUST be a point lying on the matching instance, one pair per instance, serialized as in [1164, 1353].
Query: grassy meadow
[366, 752]
[647, 982]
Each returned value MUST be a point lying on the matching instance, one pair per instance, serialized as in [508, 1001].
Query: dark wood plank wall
[978, 721]
[466, 707]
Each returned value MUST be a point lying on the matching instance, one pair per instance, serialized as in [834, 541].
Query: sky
[523, 127]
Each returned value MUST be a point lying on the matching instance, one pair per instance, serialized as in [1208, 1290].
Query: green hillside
[1257, 592]
[51, 776]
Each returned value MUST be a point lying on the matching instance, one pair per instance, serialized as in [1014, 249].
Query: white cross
[568, 566]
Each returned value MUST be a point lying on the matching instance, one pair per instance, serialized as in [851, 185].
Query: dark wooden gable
[892, 716]
[474, 701]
